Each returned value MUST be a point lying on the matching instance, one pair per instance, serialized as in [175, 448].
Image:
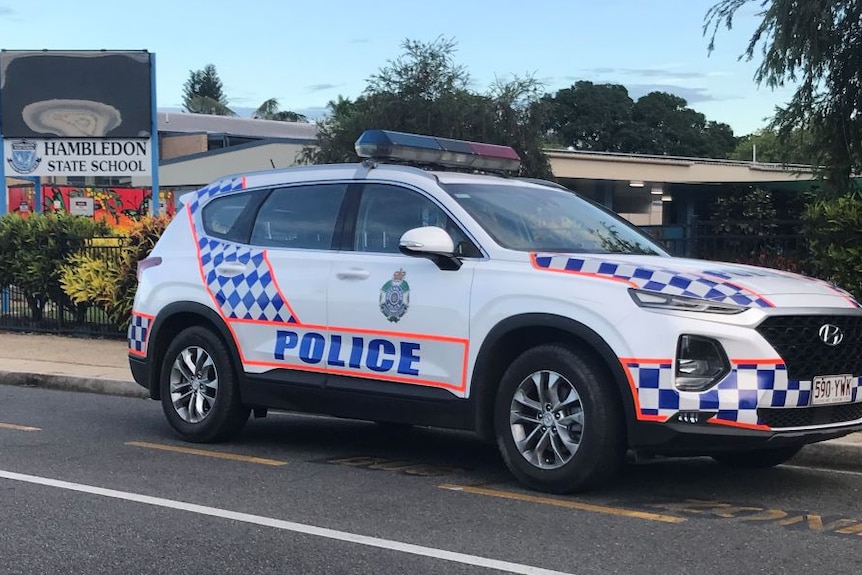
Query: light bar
[388, 145]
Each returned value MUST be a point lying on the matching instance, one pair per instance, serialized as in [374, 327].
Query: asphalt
[101, 366]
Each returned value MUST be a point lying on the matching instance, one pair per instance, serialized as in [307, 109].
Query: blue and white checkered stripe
[139, 327]
[252, 294]
[219, 187]
[735, 399]
[656, 279]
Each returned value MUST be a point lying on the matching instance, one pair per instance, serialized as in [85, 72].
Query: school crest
[395, 297]
[24, 159]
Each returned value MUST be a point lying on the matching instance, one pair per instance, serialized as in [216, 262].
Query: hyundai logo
[831, 334]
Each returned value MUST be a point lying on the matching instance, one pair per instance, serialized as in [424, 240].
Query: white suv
[509, 307]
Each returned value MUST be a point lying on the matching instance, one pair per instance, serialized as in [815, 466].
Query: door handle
[230, 269]
[353, 274]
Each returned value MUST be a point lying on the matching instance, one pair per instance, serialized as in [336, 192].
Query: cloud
[321, 87]
[650, 73]
[691, 95]
[6, 11]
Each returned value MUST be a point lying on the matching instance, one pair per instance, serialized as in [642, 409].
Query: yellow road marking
[206, 453]
[19, 427]
[566, 503]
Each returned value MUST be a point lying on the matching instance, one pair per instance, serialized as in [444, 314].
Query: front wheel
[558, 421]
[200, 396]
[757, 458]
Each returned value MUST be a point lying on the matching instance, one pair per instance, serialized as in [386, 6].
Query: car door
[393, 317]
[291, 247]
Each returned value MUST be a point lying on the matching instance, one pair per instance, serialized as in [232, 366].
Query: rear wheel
[558, 421]
[757, 458]
[200, 397]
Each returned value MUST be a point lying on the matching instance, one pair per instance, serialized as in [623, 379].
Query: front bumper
[684, 439]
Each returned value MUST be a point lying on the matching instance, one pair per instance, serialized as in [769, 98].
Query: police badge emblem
[395, 297]
[23, 158]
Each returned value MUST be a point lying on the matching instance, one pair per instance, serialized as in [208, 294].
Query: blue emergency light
[400, 146]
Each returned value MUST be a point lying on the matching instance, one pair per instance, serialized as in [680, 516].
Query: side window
[299, 217]
[386, 212]
[221, 216]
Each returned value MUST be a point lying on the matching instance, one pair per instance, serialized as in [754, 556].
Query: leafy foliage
[818, 47]
[604, 118]
[771, 146]
[140, 241]
[34, 249]
[107, 279]
[424, 91]
[834, 231]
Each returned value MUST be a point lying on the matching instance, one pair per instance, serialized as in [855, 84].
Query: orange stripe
[146, 315]
[638, 412]
[649, 360]
[754, 426]
[138, 353]
[275, 282]
[757, 361]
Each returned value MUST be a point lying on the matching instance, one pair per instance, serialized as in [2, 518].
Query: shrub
[834, 232]
[33, 251]
[141, 239]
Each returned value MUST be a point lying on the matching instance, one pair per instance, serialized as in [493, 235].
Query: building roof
[185, 123]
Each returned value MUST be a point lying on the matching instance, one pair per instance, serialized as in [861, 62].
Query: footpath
[101, 366]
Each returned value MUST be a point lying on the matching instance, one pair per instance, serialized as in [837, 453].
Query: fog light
[700, 363]
[694, 417]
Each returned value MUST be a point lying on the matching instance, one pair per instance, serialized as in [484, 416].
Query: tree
[767, 145]
[663, 124]
[203, 93]
[587, 116]
[818, 46]
[271, 110]
[603, 118]
[424, 91]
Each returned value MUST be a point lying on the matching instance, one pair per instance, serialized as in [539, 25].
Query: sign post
[154, 140]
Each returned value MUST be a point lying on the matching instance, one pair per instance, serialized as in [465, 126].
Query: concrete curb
[836, 454]
[72, 383]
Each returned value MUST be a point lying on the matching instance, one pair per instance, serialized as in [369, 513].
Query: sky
[306, 54]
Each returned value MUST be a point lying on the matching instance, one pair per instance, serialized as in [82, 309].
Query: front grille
[808, 416]
[796, 339]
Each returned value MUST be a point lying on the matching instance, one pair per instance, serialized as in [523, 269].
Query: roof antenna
[272, 163]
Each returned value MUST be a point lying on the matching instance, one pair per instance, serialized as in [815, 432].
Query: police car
[448, 296]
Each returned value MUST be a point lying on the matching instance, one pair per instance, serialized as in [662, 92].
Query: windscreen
[546, 219]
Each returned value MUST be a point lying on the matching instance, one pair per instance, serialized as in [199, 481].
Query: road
[99, 484]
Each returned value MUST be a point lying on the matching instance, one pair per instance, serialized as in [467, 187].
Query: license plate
[828, 389]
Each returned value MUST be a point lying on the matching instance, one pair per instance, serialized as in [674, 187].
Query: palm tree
[271, 110]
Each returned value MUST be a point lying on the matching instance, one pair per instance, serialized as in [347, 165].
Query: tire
[198, 383]
[757, 458]
[581, 417]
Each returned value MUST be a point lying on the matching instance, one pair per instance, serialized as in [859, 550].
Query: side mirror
[433, 243]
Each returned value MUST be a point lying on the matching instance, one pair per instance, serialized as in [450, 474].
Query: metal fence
[777, 244]
[49, 310]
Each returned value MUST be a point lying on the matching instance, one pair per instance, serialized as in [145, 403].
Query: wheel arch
[516, 334]
[173, 319]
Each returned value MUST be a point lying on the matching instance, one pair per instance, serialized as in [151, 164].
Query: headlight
[700, 363]
[658, 300]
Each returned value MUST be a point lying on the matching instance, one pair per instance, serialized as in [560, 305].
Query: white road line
[822, 469]
[287, 525]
